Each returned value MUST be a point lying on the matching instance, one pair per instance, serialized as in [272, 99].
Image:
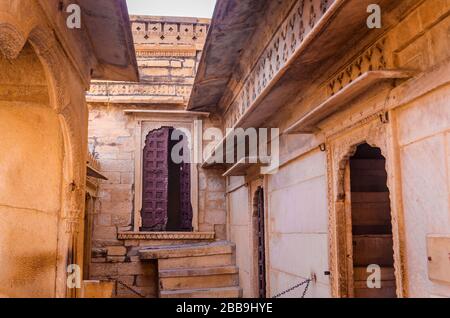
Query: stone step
[223, 292]
[199, 278]
[200, 271]
[196, 261]
[187, 250]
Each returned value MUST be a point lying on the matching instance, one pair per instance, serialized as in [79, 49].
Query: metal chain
[307, 282]
[306, 288]
[127, 287]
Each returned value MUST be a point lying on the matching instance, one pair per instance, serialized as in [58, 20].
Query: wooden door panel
[155, 180]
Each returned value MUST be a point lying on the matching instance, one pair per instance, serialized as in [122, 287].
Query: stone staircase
[199, 270]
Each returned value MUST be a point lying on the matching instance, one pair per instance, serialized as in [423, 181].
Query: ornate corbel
[74, 207]
[11, 41]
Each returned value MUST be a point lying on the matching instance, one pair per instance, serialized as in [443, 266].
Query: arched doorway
[31, 177]
[369, 225]
[166, 190]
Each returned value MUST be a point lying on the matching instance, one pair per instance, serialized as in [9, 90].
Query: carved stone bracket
[11, 41]
[73, 210]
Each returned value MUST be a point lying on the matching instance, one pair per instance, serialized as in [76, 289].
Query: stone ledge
[187, 250]
[202, 271]
[166, 235]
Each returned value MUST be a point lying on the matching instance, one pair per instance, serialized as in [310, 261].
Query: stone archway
[31, 160]
[340, 148]
[47, 91]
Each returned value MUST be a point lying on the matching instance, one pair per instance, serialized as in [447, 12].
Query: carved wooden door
[155, 180]
[261, 244]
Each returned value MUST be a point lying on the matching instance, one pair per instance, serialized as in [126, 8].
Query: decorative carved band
[139, 89]
[373, 59]
[167, 52]
[285, 42]
[166, 236]
[164, 32]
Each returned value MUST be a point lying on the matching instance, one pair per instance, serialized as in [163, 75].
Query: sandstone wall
[38, 212]
[168, 51]
[298, 226]
[423, 132]
[424, 139]
[112, 140]
[298, 197]
[31, 158]
[240, 230]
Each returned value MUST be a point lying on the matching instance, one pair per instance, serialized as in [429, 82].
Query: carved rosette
[168, 32]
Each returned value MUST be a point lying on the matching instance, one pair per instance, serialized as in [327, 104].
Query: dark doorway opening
[371, 223]
[259, 206]
[166, 197]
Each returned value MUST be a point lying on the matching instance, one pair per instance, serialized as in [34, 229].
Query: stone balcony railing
[299, 63]
[282, 47]
[164, 31]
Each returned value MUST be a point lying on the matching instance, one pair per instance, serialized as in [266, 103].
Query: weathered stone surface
[137, 268]
[115, 259]
[303, 199]
[103, 269]
[224, 292]
[116, 251]
[187, 250]
[215, 217]
[99, 252]
[97, 289]
[104, 219]
[146, 281]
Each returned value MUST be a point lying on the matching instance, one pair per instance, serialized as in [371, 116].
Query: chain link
[307, 282]
[306, 288]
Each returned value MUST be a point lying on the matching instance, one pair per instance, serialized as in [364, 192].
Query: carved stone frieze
[373, 59]
[284, 43]
[169, 31]
[166, 236]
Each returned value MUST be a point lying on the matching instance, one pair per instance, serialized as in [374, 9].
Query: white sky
[178, 8]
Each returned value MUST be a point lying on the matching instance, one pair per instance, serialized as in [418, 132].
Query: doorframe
[259, 182]
[143, 126]
[340, 148]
